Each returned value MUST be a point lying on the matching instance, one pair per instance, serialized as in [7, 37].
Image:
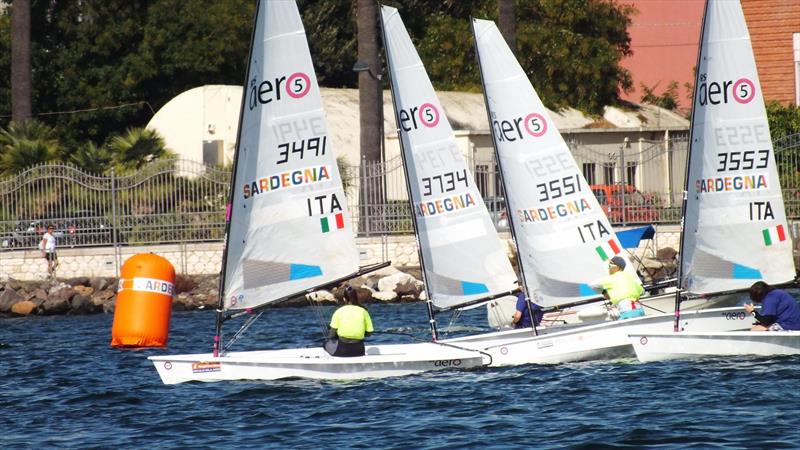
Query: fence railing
[172, 201]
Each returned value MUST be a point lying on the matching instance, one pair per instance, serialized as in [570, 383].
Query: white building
[201, 124]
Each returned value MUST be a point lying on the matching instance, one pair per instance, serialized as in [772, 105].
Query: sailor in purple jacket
[779, 310]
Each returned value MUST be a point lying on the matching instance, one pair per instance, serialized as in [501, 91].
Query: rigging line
[247, 323]
[76, 111]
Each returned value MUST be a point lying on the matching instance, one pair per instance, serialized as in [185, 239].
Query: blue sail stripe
[473, 288]
[584, 290]
[741, 272]
[300, 271]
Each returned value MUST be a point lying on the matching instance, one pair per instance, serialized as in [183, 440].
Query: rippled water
[61, 386]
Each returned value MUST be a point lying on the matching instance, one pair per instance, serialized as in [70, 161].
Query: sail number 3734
[446, 182]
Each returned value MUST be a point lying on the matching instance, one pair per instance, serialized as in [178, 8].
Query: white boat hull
[314, 363]
[663, 346]
[602, 341]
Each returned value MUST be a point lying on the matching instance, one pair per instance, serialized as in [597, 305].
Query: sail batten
[290, 228]
[734, 205]
[563, 236]
[462, 256]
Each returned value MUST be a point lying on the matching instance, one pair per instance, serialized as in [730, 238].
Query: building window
[608, 173]
[630, 174]
[482, 178]
[588, 172]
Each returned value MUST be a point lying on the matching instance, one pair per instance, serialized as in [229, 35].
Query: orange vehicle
[638, 208]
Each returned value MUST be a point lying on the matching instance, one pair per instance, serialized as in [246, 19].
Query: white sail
[463, 257]
[735, 229]
[563, 236]
[289, 228]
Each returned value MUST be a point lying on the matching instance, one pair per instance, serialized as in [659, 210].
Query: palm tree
[20, 60]
[92, 158]
[26, 144]
[135, 148]
[507, 24]
[370, 100]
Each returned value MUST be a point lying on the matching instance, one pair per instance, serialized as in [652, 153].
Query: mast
[429, 300]
[229, 207]
[676, 326]
[524, 286]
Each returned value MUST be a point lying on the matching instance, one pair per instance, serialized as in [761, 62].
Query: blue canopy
[631, 238]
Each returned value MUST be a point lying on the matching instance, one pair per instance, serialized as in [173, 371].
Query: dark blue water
[61, 386]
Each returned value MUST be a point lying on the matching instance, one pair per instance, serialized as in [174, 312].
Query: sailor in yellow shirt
[622, 289]
[349, 325]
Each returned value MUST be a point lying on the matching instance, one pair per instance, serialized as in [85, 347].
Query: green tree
[135, 148]
[26, 144]
[783, 120]
[667, 99]
[95, 159]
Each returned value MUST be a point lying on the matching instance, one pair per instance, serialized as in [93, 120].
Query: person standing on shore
[48, 247]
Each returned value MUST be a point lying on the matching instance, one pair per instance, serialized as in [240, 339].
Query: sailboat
[566, 244]
[463, 260]
[288, 231]
[735, 228]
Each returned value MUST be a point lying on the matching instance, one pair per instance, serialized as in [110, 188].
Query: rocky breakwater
[84, 295]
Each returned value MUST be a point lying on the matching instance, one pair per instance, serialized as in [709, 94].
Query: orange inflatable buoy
[144, 302]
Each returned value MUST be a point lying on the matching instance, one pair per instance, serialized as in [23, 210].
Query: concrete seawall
[206, 258]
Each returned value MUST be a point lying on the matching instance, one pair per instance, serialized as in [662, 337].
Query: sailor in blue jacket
[779, 310]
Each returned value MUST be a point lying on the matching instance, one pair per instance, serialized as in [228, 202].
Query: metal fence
[171, 201]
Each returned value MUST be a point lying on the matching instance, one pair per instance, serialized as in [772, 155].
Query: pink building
[665, 35]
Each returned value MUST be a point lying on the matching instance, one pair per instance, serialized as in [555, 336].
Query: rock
[98, 284]
[102, 295]
[24, 308]
[108, 307]
[8, 298]
[185, 284]
[390, 283]
[13, 284]
[64, 294]
[385, 296]
[86, 291]
[410, 288]
[321, 297]
[39, 294]
[56, 305]
[81, 304]
[78, 281]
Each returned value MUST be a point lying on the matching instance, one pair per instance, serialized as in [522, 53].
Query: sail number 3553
[749, 159]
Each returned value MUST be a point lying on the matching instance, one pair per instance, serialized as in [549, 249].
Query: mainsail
[735, 229]
[463, 257]
[563, 236]
[289, 227]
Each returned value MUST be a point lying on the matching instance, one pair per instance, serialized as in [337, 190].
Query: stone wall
[205, 258]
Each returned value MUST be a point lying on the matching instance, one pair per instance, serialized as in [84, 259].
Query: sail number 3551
[559, 187]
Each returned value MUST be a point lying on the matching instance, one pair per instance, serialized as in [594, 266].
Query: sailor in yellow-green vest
[350, 324]
[622, 289]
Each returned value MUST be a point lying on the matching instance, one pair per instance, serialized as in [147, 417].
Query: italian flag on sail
[773, 235]
[608, 249]
[327, 222]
